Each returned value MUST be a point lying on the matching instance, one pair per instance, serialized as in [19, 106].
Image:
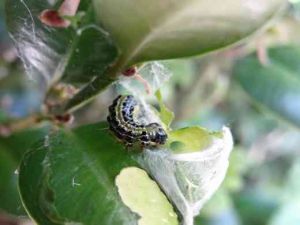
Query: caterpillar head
[158, 135]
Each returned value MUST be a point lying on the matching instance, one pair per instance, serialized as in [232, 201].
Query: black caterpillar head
[158, 134]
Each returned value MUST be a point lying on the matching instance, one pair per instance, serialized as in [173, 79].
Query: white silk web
[188, 179]
[154, 73]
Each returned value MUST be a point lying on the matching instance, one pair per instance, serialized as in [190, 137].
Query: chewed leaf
[190, 139]
[71, 173]
[190, 179]
[166, 115]
[143, 196]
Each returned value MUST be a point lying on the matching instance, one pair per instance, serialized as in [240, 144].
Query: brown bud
[65, 119]
[131, 71]
[55, 18]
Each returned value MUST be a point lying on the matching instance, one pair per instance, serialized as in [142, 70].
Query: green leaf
[276, 85]
[150, 30]
[18, 143]
[146, 31]
[88, 93]
[70, 177]
[92, 53]
[190, 139]
[12, 149]
[166, 115]
[254, 201]
[51, 54]
[136, 188]
[30, 185]
[9, 197]
[73, 172]
[3, 116]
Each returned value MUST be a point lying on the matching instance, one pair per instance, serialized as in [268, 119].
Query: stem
[262, 52]
[21, 124]
[86, 94]
[92, 89]
[189, 220]
[144, 82]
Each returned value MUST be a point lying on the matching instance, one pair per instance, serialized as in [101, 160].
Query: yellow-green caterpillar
[124, 121]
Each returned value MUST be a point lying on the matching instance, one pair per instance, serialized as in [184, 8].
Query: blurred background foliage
[261, 104]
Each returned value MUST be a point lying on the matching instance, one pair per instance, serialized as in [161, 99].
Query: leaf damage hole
[144, 197]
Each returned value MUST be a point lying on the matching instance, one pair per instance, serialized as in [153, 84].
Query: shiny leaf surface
[70, 176]
[50, 54]
[147, 30]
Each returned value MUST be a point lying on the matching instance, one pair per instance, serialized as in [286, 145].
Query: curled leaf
[190, 179]
[190, 139]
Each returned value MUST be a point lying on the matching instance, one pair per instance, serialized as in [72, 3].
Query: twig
[262, 52]
[14, 126]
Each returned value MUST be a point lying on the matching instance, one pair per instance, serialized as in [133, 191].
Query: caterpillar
[125, 121]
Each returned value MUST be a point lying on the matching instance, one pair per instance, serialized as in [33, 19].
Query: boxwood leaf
[75, 55]
[151, 30]
[147, 30]
[70, 177]
[12, 149]
[274, 86]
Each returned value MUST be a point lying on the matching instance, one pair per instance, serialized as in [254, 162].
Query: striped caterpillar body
[125, 123]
